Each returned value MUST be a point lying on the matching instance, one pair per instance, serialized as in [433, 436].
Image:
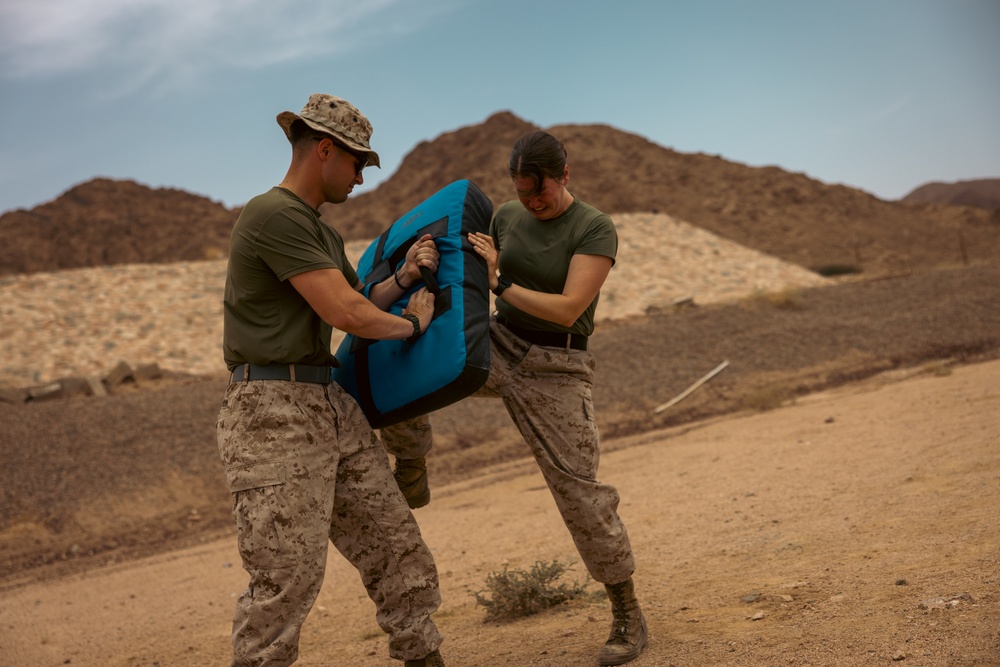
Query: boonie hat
[335, 116]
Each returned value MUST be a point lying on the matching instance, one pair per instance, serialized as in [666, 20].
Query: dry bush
[787, 299]
[518, 593]
[766, 398]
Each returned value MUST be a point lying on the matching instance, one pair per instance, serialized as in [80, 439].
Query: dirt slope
[857, 527]
[88, 480]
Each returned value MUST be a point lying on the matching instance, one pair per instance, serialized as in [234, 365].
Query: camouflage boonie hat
[335, 116]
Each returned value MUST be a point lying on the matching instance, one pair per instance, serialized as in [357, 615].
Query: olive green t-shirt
[536, 254]
[265, 319]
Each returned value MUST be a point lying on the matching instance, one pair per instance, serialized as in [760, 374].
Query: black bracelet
[395, 276]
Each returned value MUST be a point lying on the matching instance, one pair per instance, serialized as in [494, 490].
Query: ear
[565, 177]
[324, 148]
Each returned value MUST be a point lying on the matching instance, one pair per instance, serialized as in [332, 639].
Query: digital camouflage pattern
[336, 116]
[306, 469]
[548, 393]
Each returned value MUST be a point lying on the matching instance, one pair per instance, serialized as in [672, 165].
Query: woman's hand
[483, 245]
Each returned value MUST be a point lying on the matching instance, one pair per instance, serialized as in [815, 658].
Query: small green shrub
[518, 593]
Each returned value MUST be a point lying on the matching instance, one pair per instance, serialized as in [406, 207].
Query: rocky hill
[826, 228]
[105, 222]
[984, 193]
[788, 215]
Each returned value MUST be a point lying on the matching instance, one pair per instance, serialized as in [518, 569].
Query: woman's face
[549, 202]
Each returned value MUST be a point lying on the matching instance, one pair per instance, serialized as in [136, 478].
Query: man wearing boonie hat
[304, 466]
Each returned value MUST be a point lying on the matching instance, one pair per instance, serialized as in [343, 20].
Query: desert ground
[830, 498]
[857, 526]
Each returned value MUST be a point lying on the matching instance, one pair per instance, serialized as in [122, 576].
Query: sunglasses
[360, 162]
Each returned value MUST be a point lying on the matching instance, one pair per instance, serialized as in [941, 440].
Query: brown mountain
[784, 214]
[103, 222]
[826, 228]
[984, 193]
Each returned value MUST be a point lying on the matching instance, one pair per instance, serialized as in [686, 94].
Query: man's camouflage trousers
[305, 469]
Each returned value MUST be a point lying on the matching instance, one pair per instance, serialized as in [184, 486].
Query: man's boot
[432, 660]
[628, 629]
[411, 477]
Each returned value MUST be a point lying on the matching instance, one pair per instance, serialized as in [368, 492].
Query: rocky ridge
[798, 219]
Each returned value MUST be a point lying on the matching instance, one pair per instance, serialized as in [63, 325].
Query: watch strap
[415, 321]
[503, 282]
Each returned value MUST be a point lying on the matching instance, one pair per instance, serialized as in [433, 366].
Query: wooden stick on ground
[684, 394]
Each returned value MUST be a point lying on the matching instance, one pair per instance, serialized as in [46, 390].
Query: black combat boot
[431, 660]
[411, 477]
[628, 629]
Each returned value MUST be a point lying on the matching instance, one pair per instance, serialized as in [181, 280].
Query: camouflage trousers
[305, 469]
[547, 392]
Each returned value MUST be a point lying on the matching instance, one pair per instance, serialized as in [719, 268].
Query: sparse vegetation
[372, 633]
[937, 369]
[766, 398]
[214, 252]
[831, 270]
[788, 299]
[518, 593]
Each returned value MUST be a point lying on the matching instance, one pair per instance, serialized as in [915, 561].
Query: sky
[879, 95]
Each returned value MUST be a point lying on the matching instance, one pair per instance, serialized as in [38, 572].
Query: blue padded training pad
[394, 380]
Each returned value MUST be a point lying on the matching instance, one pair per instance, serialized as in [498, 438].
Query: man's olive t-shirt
[266, 321]
[536, 254]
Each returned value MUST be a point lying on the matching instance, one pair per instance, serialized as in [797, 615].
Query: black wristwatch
[415, 321]
[503, 282]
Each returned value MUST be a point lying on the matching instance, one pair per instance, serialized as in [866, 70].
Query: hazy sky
[881, 95]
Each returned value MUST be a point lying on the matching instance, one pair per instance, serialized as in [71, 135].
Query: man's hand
[424, 253]
[421, 304]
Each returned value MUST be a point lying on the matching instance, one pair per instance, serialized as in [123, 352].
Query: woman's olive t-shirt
[536, 254]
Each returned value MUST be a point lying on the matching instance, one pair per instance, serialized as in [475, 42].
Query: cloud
[177, 39]
[887, 111]
[872, 117]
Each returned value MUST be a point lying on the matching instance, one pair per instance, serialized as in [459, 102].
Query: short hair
[537, 155]
[301, 134]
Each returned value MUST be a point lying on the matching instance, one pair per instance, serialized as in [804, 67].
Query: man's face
[341, 172]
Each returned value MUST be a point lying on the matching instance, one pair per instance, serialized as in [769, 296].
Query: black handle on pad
[430, 281]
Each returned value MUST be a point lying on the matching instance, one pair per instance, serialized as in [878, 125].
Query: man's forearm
[374, 323]
[387, 292]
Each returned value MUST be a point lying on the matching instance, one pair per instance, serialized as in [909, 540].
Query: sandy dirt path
[857, 527]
